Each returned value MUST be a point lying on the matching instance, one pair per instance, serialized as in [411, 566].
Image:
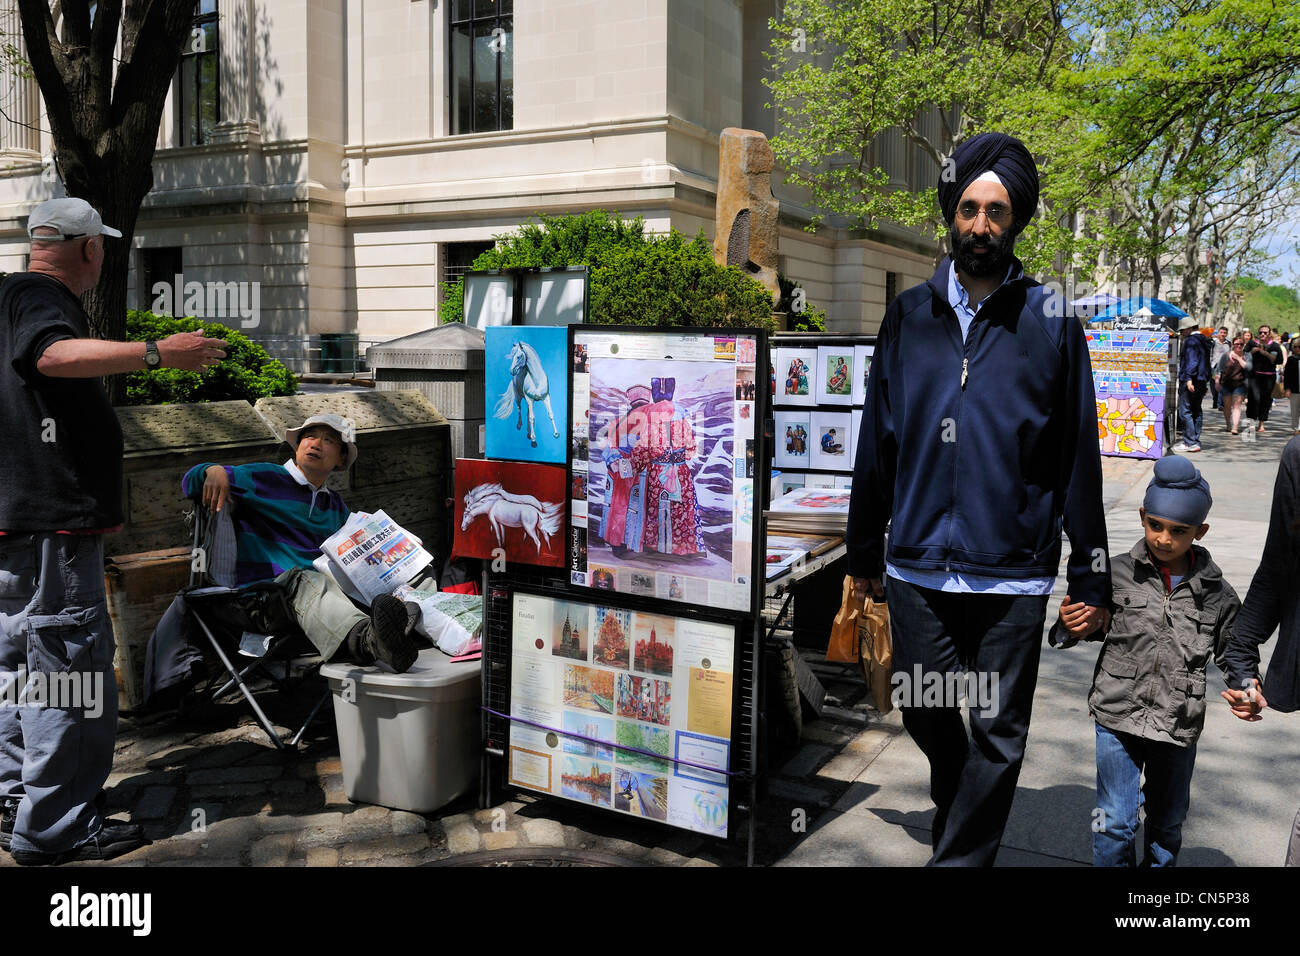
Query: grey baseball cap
[73, 218]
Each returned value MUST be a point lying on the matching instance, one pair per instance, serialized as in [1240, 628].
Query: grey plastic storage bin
[408, 741]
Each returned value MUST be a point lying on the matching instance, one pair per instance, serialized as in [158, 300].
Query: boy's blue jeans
[1121, 758]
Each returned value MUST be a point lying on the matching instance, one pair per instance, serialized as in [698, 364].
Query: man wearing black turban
[978, 445]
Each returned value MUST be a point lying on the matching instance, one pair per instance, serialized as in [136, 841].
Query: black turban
[1003, 154]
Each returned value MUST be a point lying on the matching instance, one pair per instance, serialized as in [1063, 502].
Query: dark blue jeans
[972, 776]
[1189, 411]
[1121, 758]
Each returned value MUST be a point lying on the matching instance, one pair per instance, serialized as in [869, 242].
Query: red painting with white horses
[510, 510]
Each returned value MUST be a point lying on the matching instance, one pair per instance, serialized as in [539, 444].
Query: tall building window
[482, 64]
[199, 90]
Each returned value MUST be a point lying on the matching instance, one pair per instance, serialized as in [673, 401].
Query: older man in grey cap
[60, 492]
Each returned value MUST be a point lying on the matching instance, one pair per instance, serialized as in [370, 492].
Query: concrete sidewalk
[1244, 792]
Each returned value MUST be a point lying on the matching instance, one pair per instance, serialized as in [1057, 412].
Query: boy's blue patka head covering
[1178, 492]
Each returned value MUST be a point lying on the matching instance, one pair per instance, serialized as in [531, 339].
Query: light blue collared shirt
[953, 581]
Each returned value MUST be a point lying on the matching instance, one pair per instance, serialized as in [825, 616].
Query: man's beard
[988, 265]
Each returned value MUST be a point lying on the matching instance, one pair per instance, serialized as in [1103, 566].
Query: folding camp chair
[255, 620]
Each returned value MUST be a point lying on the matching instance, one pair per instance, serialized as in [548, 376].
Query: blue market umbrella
[1136, 306]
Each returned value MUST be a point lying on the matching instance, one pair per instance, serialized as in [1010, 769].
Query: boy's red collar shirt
[1164, 571]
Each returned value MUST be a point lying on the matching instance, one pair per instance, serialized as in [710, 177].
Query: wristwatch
[152, 358]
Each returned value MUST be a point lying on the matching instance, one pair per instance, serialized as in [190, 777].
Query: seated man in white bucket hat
[283, 513]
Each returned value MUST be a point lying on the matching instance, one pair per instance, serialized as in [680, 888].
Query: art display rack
[501, 586]
[811, 341]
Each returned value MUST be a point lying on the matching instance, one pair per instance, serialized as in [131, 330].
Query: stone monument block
[747, 213]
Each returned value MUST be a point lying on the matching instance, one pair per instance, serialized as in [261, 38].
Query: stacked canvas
[810, 509]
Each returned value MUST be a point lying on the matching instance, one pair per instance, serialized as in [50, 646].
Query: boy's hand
[1082, 619]
[1246, 704]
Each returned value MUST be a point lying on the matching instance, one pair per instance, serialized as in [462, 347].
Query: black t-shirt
[61, 459]
[1265, 361]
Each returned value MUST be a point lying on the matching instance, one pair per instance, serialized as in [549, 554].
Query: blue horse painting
[525, 368]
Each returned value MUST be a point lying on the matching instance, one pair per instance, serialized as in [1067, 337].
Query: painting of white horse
[528, 384]
[503, 509]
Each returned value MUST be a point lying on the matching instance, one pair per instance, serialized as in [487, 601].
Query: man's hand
[1082, 619]
[216, 488]
[1246, 704]
[1191, 386]
[191, 351]
[862, 587]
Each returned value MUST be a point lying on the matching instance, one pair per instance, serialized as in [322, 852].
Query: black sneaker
[389, 635]
[114, 839]
[8, 813]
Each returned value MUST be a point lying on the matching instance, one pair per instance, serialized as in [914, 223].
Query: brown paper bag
[843, 645]
[877, 651]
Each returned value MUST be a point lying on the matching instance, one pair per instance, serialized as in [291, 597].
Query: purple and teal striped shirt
[280, 519]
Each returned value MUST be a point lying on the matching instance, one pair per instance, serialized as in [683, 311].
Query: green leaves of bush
[247, 372]
[636, 279]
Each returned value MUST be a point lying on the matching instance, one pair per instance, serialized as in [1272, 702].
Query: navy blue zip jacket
[980, 451]
[1194, 360]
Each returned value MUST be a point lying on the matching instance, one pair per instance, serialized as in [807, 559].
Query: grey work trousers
[58, 693]
[322, 610]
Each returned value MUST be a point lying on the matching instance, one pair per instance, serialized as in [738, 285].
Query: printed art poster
[796, 377]
[624, 710]
[526, 380]
[668, 460]
[511, 510]
[1130, 370]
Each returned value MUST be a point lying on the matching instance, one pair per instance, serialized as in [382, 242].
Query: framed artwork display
[796, 377]
[792, 439]
[831, 440]
[510, 509]
[834, 375]
[526, 378]
[862, 355]
[670, 458]
[620, 709]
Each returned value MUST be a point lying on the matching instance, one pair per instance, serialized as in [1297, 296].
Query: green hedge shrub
[247, 372]
[636, 279]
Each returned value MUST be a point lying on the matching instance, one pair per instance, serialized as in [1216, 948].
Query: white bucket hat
[344, 426]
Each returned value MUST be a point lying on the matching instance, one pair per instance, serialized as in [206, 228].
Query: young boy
[1171, 609]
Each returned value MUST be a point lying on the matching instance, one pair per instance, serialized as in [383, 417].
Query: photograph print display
[606, 736]
[526, 373]
[862, 356]
[667, 460]
[793, 431]
[796, 377]
[510, 509]
[834, 375]
[831, 440]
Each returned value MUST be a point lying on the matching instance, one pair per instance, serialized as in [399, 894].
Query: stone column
[238, 72]
[20, 136]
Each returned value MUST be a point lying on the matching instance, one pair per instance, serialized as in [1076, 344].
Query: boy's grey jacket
[1150, 675]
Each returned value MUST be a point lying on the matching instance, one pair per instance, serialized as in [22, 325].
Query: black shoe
[8, 813]
[389, 638]
[113, 840]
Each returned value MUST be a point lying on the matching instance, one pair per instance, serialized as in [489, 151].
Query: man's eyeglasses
[995, 213]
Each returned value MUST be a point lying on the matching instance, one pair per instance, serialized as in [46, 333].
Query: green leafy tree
[635, 278]
[863, 90]
[105, 69]
[247, 373]
[1277, 306]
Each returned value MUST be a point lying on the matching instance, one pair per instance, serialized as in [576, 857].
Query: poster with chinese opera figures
[665, 447]
[622, 709]
[1130, 371]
